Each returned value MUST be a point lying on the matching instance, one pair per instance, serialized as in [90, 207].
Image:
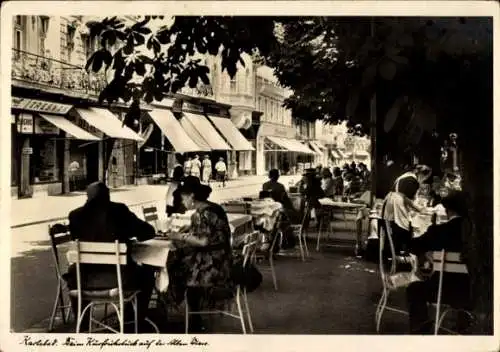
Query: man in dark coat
[101, 220]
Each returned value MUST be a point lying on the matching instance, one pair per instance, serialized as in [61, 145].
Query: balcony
[39, 72]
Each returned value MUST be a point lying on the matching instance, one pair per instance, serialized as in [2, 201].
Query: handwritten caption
[110, 342]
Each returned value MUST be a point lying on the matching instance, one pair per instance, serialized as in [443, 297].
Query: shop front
[278, 148]
[40, 138]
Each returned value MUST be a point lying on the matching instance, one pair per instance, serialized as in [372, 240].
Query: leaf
[140, 68]
[90, 61]
[204, 78]
[97, 61]
[400, 60]
[143, 30]
[193, 80]
[163, 36]
[129, 47]
[139, 39]
[387, 69]
[107, 58]
[145, 59]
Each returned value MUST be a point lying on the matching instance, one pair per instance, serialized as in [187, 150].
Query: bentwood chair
[386, 273]
[252, 241]
[447, 262]
[91, 253]
[59, 235]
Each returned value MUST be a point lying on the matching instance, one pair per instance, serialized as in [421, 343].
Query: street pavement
[33, 280]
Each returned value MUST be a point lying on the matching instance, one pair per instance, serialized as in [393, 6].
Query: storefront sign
[40, 106]
[25, 123]
[43, 126]
[269, 129]
[27, 151]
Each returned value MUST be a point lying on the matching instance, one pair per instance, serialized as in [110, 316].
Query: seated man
[278, 193]
[100, 220]
[450, 236]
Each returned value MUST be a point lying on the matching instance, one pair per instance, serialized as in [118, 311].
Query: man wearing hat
[101, 220]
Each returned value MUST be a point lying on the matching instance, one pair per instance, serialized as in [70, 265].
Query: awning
[234, 137]
[202, 132]
[108, 123]
[320, 145]
[335, 154]
[69, 127]
[291, 145]
[315, 148]
[176, 135]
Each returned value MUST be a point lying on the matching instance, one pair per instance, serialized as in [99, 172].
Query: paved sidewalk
[25, 212]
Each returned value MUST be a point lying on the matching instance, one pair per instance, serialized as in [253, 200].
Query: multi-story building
[281, 141]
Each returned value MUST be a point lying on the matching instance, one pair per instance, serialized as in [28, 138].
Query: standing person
[101, 220]
[187, 166]
[207, 169]
[174, 201]
[338, 181]
[196, 167]
[221, 169]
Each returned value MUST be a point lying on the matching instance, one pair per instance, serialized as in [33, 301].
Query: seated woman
[327, 183]
[278, 193]
[204, 261]
[396, 210]
[450, 236]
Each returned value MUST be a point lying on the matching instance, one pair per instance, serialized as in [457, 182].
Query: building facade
[54, 147]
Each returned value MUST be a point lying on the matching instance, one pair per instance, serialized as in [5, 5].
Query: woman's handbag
[247, 276]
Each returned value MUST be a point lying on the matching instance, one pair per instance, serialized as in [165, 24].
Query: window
[232, 84]
[18, 34]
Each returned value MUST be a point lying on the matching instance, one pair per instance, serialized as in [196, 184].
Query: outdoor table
[265, 213]
[329, 205]
[240, 225]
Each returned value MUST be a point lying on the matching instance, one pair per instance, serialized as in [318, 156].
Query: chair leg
[240, 311]
[382, 304]
[317, 243]
[304, 239]
[136, 323]
[91, 310]
[249, 316]
[301, 247]
[186, 317]
[54, 309]
[273, 272]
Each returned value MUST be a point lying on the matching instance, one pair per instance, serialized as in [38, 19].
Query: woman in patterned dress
[205, 259]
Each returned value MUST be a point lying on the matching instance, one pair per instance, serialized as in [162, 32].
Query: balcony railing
[44, 71]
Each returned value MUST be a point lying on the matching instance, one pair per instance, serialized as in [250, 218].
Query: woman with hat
[205, 256]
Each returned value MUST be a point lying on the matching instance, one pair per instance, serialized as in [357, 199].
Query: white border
[9, 342]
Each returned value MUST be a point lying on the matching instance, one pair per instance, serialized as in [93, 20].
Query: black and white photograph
[248, 168]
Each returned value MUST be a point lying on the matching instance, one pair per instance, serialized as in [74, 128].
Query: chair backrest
[59, 234]
[448, 262]
[233, 207]
[252, 242]
[150, 213]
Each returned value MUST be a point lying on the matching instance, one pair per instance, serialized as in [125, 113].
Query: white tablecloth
[328, 202]
[152, 252]
[265, 213]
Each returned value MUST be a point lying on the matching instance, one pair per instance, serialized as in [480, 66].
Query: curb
[39, 222]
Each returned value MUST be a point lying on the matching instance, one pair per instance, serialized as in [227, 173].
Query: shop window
[45, 160]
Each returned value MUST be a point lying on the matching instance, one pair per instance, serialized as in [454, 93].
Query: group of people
[203, 169]
[202, 261]
[452, 235]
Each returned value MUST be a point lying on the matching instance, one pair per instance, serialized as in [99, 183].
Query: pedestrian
[196, 167]
[221, 169]
[187, 166]
[207, 169]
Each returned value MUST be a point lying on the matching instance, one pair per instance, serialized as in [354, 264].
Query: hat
[190, 184]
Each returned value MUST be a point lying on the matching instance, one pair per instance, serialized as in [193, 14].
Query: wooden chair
[252, 242]
[446, 262]
[151, 215]
[103, 253]
[59, 235]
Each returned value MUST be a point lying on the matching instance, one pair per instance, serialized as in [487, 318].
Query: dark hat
[190, 184]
